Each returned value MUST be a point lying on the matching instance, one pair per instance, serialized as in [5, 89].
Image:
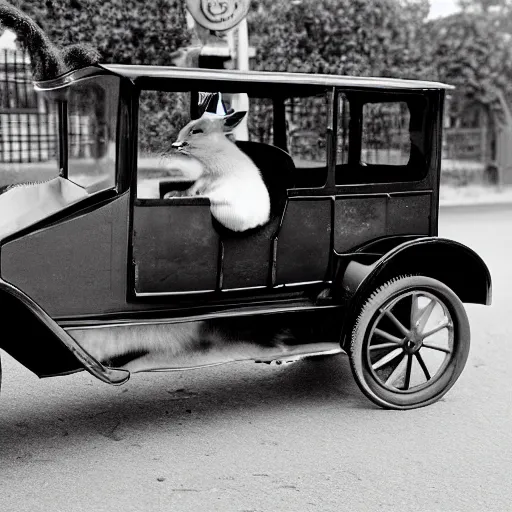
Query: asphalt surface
[246, 437]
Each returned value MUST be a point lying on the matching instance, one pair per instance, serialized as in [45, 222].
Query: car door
[385, 167]
[174, 246]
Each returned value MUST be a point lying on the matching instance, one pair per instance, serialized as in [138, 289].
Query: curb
[490, 197]
[507, 203]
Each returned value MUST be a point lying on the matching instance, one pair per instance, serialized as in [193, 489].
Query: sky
[7, 39]
[442, 8]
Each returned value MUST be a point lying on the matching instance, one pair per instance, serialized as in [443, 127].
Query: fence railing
[28, 130]
[465, 144]
[27, 137]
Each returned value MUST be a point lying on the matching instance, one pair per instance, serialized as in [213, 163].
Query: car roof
[139, 73]
[253, 82]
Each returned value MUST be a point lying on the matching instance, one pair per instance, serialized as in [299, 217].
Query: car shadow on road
[182, 400]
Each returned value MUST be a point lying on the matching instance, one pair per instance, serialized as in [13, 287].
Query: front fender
[452, 263]
[41, 345]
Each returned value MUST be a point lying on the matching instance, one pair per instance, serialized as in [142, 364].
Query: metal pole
[242, 56]
[241, 101]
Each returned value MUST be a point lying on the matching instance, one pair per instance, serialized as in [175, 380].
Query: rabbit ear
[231, 121]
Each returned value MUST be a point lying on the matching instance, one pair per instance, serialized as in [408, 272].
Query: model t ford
[180, 231]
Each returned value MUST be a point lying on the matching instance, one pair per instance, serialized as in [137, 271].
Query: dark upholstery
[276, 167]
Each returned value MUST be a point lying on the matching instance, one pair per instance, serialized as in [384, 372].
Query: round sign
[218, 14]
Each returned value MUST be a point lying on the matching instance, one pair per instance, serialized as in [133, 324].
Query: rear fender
[452, 263]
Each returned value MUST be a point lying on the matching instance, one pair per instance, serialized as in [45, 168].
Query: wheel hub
[412, 345]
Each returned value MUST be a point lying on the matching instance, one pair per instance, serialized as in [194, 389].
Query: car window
[387, 136]
[162, 114]
[92, 125]
[342, 142]
[306, 129]
[48, 139]
[298, 125]
[300, 131]
[260, 121]
[307, 136]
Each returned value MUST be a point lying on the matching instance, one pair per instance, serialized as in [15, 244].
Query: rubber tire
[364, 377]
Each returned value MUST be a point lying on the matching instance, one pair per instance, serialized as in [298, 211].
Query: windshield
[91, 128]
[82, 143]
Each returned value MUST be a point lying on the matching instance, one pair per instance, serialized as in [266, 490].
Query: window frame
[279, 138]
[64, 132]
[357, 99]
[60, 97]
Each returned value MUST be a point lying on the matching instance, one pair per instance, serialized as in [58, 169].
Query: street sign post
[226, 17]
[218, 15]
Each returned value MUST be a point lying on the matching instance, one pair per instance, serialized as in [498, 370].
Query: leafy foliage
[472, 50]
[124, 31]
[470, 53]
[498, 12]
[389, 38]
[161, 116]
[348, 37]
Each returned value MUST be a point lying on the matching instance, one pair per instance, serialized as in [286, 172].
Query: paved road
[249, 437]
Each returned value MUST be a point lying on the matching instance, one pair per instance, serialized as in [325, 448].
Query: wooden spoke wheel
[410, 343]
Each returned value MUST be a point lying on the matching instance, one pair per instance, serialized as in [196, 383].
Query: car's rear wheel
[410, 342]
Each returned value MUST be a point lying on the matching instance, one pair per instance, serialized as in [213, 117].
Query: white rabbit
[222, 172]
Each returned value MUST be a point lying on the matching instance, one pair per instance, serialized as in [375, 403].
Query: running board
[299, 357]
[268, 355]
[69, 325]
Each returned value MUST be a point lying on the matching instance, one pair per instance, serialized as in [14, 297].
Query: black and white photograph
[255, 255]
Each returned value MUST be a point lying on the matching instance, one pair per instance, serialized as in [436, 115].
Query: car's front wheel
[410, 342]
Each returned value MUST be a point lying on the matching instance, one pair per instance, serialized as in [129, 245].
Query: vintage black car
[103, 269]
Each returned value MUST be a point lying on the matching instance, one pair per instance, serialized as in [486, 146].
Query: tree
[124, 31]
[498, 12]
[348, 37]
[473, 51]
[471, 54]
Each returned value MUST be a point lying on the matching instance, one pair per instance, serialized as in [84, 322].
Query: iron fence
[28, 128]
[465, 144]
[28, 125]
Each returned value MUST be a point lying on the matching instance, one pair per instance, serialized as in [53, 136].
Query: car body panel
[304, 241]
[168, 258]
[23, 206]
[450, 262]
[45, 347]
[125, 283]
[77, 266]
[360, 219]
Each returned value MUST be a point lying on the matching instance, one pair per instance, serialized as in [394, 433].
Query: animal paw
[173, 193]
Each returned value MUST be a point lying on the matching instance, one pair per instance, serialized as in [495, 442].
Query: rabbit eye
[197, 130]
